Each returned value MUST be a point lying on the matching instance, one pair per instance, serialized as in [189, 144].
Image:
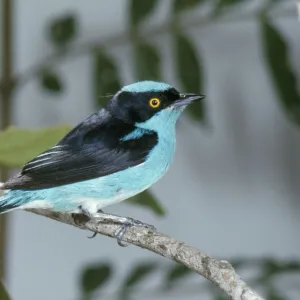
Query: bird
[112, 155]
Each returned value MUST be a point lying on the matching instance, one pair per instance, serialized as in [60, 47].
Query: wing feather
[94, 148]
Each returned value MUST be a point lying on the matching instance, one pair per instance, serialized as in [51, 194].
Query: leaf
[175, 273]
[147, 62]
[3, 293]
[227, 3]
[181, 5]
[17, 146]
[50, 81]
[147, 200]
[292, 266]
[139, 10]
[63, 30]
[189, 72]
[281, 69]
[220, 296]
[94, 277]
[105, 77]
[273, 294]
[138, 273]
[272, 267]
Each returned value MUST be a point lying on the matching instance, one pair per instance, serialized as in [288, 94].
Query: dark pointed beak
[187, 98]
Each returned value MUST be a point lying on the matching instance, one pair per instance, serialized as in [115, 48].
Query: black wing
[92, 149]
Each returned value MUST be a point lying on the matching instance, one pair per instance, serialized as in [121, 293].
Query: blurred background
[233, 189]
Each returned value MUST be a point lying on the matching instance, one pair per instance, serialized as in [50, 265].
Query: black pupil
[154, 102]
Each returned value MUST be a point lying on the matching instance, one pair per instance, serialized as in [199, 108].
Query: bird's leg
[124, 221]
[95, 233]
[88, 214]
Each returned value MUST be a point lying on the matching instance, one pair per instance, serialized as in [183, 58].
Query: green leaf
[176, 273]
[138, 273]
[189, 72]
[147, 200]
[17, 146]
[292, 266]
[106, 80]
[139, 10]
[50, 81]
[181, 5]
[147, 62]
[272, 267]
[273, 294]
[95, 277]
[63, 30]
[221, 296]
[3, 293]
[281, 69]
[227, 3]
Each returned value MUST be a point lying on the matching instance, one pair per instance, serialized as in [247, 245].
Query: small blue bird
[112, 155]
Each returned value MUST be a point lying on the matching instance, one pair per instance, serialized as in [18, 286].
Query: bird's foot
[127, 224]
[88, 214]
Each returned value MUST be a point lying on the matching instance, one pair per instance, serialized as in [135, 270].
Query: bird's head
[150, 104]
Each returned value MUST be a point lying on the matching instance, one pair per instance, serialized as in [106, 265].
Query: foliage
[181, 5]
[146, 199]
[137, 274]
[147, 63]
[173, 276]
[63, 30]
[189, 71]
[3, 292]
[50, 81]
[281, 70]
[139, 10]
[19, 145]
[94, 277]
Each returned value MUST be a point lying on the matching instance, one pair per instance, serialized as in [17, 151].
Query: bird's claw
[130, 223]
[92, 236]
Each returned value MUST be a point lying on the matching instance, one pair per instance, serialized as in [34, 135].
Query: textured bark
[220, 272]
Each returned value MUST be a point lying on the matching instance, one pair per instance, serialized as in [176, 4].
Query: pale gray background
[232, 190]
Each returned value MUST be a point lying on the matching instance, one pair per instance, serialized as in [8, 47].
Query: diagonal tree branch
[219, 272]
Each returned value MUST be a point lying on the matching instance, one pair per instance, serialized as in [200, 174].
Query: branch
[219, 272]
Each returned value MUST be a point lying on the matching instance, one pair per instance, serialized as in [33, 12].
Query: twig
[219, 272]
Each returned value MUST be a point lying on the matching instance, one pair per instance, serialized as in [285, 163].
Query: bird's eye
[154, 102]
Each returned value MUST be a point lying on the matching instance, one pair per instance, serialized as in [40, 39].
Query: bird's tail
[5, 204]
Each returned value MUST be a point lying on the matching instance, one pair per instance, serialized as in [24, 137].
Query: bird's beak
[187, 98]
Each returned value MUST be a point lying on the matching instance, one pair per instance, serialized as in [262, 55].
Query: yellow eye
[154, 102]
